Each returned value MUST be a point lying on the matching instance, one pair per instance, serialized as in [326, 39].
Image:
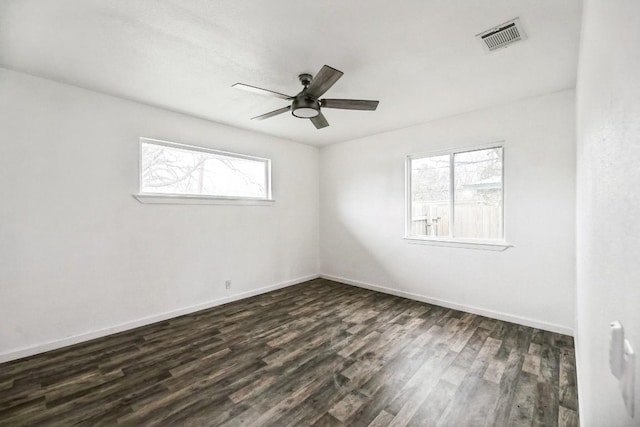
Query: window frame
[451, 240]
[180, 198]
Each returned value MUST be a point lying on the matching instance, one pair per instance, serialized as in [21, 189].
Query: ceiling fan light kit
[305, 107]
[307, 104]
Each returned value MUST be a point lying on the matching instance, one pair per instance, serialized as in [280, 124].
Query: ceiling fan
[307, 104]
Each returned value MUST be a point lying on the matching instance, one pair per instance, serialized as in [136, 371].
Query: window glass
[457, 195]
[478, 194]
[172, 169]
[430, 196]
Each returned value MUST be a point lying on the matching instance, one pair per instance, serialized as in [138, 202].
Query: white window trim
[487, 245]
[183, 199]
[451, 240]
[199, 199]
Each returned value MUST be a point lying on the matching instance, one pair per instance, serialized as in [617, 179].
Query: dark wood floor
[318, 353]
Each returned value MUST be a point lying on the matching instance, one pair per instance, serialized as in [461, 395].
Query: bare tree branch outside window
[173, 170]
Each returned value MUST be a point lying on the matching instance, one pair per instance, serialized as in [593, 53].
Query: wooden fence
[473, 220]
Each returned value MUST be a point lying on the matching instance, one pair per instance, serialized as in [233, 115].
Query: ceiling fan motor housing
[305, 107]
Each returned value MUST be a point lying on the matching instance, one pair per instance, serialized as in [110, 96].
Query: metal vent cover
[502, 35]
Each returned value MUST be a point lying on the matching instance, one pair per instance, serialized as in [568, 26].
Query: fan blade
[349, 104]
[272, 113]
[261, 91]
[319, 121]
[323, 81]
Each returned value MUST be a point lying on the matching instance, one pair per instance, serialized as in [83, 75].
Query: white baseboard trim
[525, 321]
[75, 339]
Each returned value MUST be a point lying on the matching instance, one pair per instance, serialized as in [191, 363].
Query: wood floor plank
[382, 420]
[478, 398]
[523, 407]
[507, 388]
[345, 408]
[431, 410]
[436, 366]
[320, 353]
[567, 418]
[568, 390]
[476, 394]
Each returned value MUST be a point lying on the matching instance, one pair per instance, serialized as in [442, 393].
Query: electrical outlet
[616, 345]
[627, 382]
[622, 362]
[227, 284]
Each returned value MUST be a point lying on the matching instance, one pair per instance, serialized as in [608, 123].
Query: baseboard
[525, 321]
[75, 339]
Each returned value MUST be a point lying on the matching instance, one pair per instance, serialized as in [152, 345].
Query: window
[456, 195]
[170, 169]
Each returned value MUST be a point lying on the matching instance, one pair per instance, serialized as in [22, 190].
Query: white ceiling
[419, 58]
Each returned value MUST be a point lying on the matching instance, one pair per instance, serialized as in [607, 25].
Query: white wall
[608, 257]
[79, 255]
[81, 258]
[362, 215]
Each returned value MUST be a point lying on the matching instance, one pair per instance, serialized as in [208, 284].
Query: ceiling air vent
[502, 36]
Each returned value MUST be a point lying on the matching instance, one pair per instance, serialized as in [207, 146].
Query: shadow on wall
[360, 256]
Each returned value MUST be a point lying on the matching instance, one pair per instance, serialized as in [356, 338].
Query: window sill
[173, 199]
[466, 244]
